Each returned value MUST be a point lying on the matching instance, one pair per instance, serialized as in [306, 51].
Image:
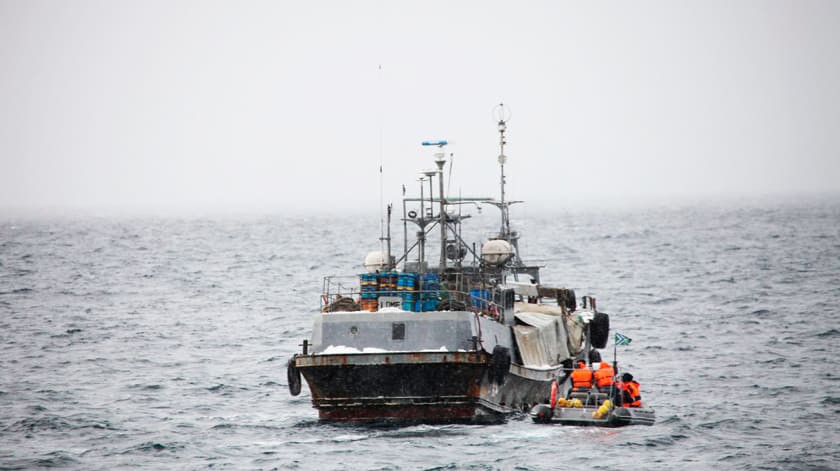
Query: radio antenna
[502, 115]
[381, 178]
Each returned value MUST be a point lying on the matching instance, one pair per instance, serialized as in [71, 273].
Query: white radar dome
[496, 252]
[374, 261]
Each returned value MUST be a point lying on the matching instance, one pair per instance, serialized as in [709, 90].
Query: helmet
[627, 377]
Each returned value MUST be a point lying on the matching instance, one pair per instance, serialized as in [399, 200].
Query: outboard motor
[542, 413]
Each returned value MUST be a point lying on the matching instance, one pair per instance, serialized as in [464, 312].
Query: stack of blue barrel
[406, 288]
[388, 283]
[370, 291]
[480, 299]
[430, 296]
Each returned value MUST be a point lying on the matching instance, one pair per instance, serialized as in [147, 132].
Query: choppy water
[161, 343]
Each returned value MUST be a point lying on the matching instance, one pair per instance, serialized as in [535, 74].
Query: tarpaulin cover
[541, 339]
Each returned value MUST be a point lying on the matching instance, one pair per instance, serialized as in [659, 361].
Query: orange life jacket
[581, 379]
[604, 375]
[632, 395]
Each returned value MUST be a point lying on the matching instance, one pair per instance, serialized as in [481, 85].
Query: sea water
[161, 342]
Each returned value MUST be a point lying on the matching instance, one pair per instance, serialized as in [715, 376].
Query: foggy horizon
[206, 108]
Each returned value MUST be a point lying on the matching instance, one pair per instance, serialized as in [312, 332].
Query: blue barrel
[431, 291]
[407, 281]
[370, 286]
[406, 289]
[431, 279]
[388, 283]
[479, 298]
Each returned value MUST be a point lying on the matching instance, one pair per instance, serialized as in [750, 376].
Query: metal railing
[343, 287]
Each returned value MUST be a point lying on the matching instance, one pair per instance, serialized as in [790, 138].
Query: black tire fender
[499, 364]
[293, 376]
[600, 329]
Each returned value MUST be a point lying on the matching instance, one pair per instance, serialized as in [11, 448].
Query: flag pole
[613, 392]
[615, 357]
[624, 341]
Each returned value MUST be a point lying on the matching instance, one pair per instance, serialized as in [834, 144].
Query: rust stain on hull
[303, 361]
[441, 413]
[414, 386]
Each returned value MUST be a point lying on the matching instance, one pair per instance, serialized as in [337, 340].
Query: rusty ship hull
[423, 387]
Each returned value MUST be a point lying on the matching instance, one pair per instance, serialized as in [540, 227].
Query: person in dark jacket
[631, 395]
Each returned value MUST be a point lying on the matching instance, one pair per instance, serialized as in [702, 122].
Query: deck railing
[348, 288]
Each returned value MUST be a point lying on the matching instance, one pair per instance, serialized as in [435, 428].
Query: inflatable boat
[576, 412]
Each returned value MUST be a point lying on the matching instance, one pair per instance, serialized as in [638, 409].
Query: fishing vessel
[470, 333]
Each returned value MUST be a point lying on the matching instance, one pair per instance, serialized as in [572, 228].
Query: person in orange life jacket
[581, 377]
[630, 393]
[604, 376]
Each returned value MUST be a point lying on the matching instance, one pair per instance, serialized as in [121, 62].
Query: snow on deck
[341, 349]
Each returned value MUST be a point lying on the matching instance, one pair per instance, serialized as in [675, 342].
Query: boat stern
[404, 386]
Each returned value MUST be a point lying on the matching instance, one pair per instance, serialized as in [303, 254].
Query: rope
[342, 304]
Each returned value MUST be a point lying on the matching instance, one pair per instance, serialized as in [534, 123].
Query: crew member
[568, 367]
[630, 393]
[604, 376]
[581, 377]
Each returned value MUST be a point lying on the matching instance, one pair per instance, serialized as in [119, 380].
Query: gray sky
[251, 106]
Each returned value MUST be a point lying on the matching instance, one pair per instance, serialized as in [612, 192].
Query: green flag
[622, 340]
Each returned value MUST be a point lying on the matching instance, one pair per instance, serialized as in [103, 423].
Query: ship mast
[440, 160]
[503, 115]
